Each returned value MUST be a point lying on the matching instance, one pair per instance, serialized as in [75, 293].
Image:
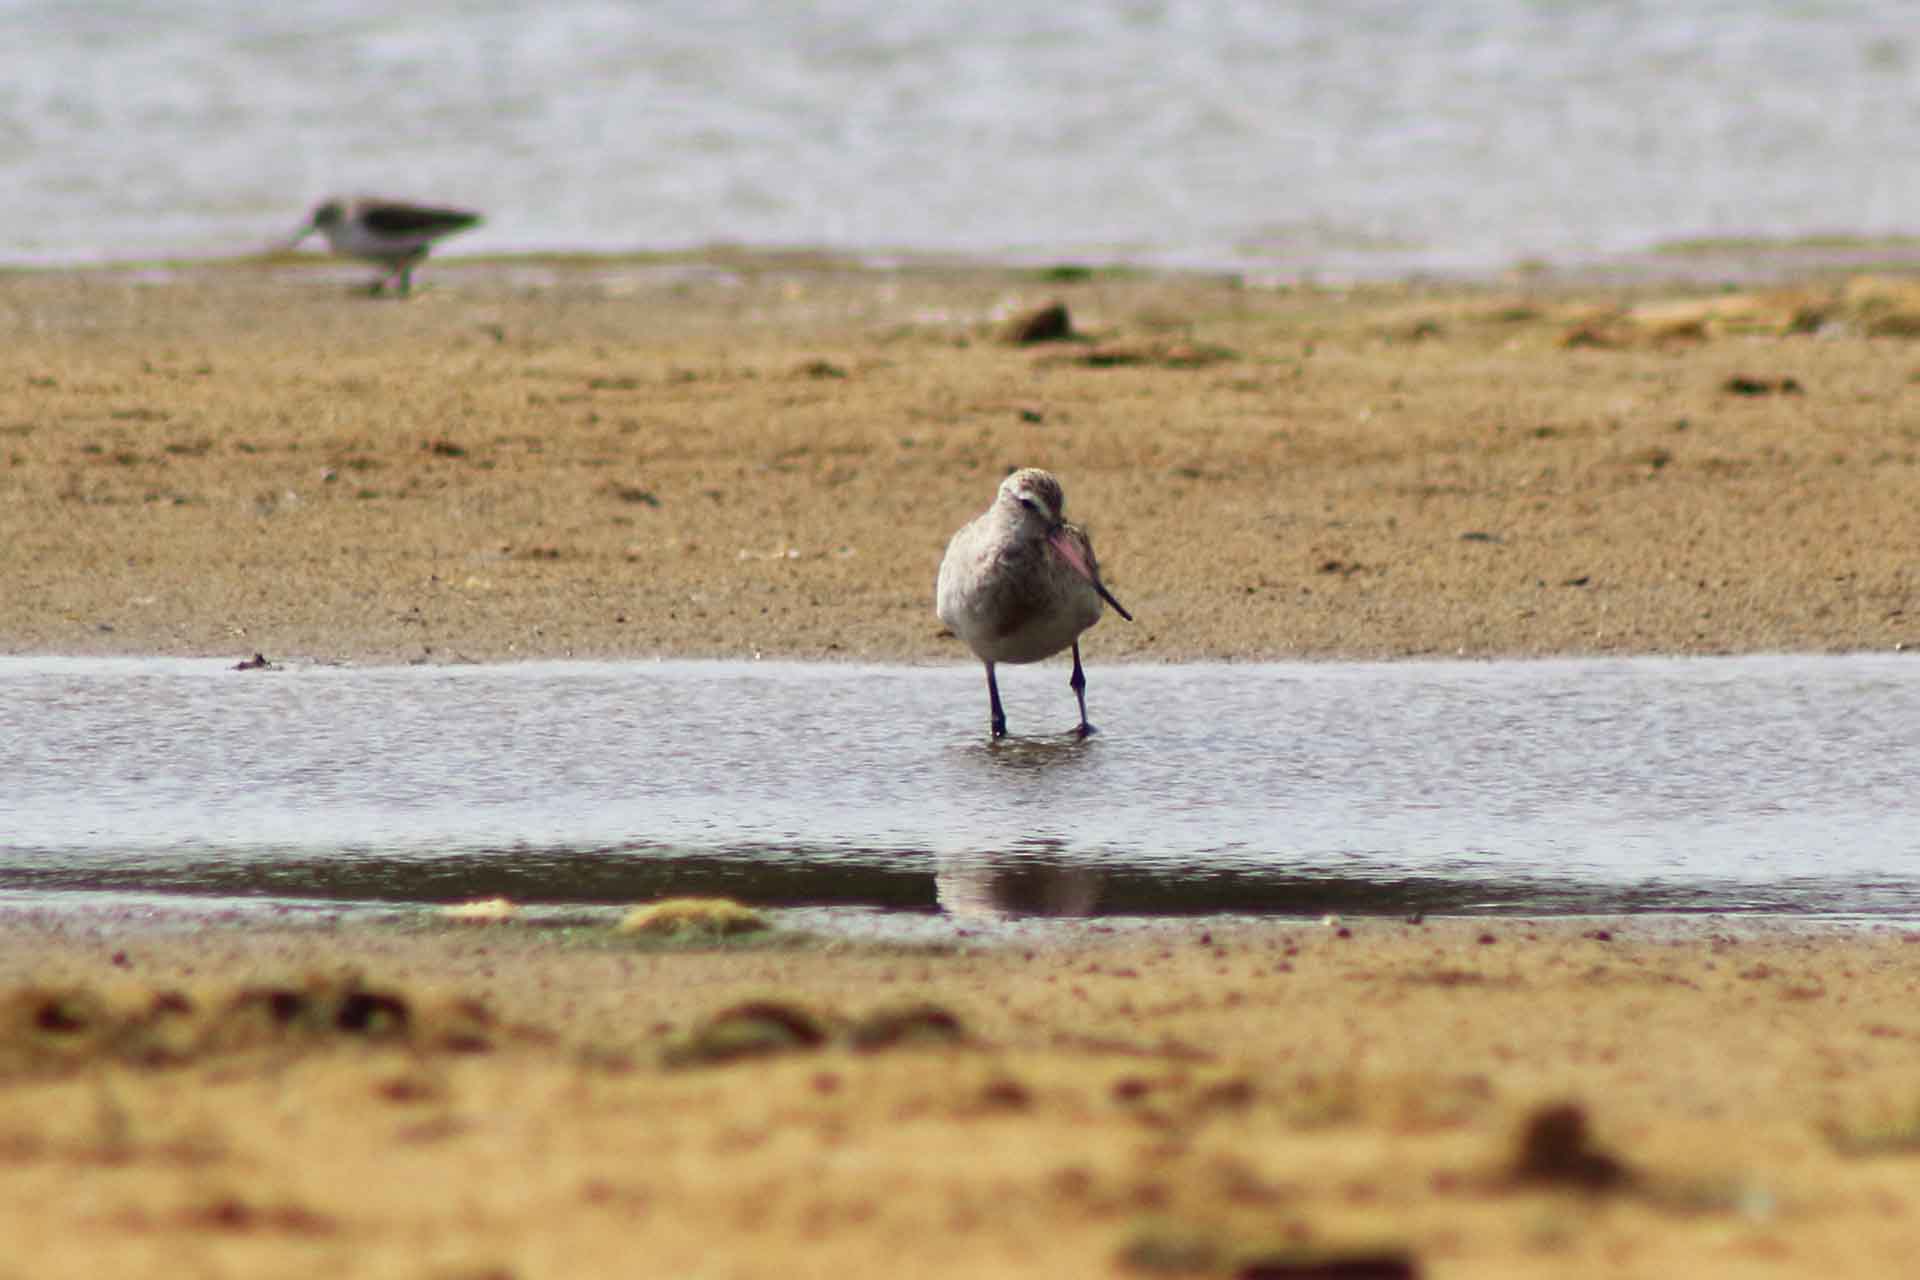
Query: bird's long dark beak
[1065, 540]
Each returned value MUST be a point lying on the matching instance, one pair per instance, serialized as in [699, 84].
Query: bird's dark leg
[1078, 680]
[993, 701]
[406, 277]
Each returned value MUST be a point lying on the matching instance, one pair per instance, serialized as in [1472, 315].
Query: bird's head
[324, 218]
[1034, 499]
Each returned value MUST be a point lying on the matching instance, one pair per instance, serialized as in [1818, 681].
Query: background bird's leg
[993, 701]
[1078, 680]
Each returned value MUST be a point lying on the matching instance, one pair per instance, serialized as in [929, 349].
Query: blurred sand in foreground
[1447, 1098]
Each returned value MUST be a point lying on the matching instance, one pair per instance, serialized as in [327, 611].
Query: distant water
[1329, 137]
[1757, 784]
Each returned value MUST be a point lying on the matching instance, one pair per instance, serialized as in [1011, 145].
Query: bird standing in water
[1019, 584]
[393, 234]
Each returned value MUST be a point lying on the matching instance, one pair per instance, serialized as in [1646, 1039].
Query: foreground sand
[729, 458]
[1191, 1099]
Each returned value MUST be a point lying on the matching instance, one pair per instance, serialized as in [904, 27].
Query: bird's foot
[1084, 731]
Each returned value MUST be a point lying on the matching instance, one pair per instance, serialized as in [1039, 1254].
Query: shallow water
[1322, 137]
[1779, 784]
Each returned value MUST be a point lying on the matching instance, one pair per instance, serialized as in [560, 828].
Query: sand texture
[1452, 1098]
[726, 457]
[768, 457]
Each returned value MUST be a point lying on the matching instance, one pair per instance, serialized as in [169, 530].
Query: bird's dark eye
[1029, 504]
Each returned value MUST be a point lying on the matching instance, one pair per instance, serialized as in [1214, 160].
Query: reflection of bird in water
[1019, 583]
[393, 234]
[981, 887]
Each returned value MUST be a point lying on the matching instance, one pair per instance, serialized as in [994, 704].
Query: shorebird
[1019, 583]
[393, 234]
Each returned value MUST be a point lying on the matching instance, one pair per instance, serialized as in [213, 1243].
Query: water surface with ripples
[1327, 138]
[1763, 784]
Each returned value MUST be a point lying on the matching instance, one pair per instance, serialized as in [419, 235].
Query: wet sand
[766, 456]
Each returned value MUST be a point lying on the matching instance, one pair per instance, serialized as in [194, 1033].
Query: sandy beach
[1447, 1098]
[765, 455]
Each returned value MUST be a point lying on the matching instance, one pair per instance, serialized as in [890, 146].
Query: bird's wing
[409, 219]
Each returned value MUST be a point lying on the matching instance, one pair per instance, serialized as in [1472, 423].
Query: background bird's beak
[289, 246]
